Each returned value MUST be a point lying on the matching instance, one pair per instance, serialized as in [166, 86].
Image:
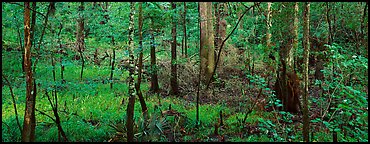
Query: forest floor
[91, 111]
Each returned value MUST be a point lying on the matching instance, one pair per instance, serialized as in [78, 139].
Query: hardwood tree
[207, 40]
[173, 79]
[140, 64]
[153, 64]
[306, 54]
[29, 123]
[184, 45]
[80, 37]
[220, 25]
[268, 25]
[132, 74]
[287, 83]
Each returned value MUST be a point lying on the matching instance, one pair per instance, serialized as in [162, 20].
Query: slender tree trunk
[200, 66]
[330, 40]
[153, 66]
[173, 79]
[55, 109]
[29, 123]
[81, 37]
[185, 38]
[141, 98]
[268, 25]
[294, 30]
[306, 35]
[131, 91]
[14, 103]
[111, 72]
[364, 31]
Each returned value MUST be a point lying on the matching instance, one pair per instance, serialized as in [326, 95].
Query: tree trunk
[131, 91]
[294, 31]
[185, 38]
[33, 24]
[153, 66]
[306, 44]
[200, 67]
[268, 25]
[112, 69]
[29, 123]
[80, 36]
[207, 40]
[287, 83]
[140, 65]
[173, 79]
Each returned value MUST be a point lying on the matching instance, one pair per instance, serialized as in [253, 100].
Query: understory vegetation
[80, 88]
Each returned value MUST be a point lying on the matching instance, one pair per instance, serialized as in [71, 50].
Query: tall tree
[207, 40]
[185, 46]
[140, 64]
[173, 79]
[80, 37]
[33, 24]
[268, 25]
[287, 83]
[132, 72]
[306, 45]
[153, 64]
[29, 123]
[220, 25]
[294, 33]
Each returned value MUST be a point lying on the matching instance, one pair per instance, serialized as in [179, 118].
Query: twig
[46, 115]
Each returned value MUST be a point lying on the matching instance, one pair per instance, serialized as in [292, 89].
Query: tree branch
[14, 104]
[223, 42]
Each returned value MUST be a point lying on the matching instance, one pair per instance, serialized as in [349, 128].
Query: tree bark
[173, 79]
[207, 40]
[268, 25]
[153, 66]
[112, 69]
[33, 24]
[306, 42]
[185, 38]
[80, 36]
[131, 91]
[29, 123]
[294, 31]
[140, 65]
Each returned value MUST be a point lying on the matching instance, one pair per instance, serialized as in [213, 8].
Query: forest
[184, 71]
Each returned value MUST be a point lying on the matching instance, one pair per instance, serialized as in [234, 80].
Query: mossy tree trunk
[306, 44]
[131, 90]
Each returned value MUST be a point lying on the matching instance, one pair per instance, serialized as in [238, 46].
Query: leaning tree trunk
[306, 43]
[29, 123]
[132, 73]
[173, 79]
